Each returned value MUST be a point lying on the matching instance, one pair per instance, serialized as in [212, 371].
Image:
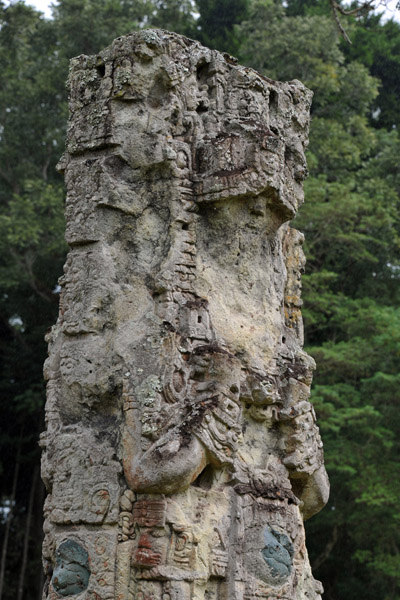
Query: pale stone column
[181, 454]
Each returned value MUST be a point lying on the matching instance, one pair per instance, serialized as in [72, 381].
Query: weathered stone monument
[181, 455]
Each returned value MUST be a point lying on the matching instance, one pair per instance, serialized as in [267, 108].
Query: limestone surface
[181, 455]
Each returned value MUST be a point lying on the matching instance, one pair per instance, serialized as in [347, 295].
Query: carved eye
[178, 381]
[231, 407]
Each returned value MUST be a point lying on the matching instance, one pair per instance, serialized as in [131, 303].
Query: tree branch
[338, 23]
[370, 5]
[336, 9]
[327, 550]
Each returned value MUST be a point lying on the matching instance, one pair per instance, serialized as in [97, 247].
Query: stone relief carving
[181, 455]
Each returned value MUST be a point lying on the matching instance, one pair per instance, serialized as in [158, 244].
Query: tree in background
[351, 221]
[32, 117]
[216, 23]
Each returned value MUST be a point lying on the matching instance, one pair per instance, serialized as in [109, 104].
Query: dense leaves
[351, 219]
[216, 23]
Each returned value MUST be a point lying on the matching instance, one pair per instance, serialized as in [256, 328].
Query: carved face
[71, 573]
[277, 554]
[269, 552]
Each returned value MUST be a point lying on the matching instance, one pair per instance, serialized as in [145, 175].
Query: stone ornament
[181, 455]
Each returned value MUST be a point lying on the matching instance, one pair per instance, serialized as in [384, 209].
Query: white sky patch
[391, 12]
[42, 5]
[16, 322]
[388, 7]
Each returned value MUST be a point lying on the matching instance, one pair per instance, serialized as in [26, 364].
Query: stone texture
[181, 455]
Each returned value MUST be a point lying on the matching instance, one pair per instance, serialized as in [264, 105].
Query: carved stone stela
[181, 455]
